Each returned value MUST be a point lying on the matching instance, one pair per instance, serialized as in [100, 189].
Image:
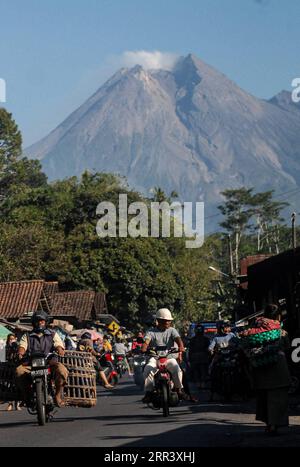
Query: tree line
[48, 231]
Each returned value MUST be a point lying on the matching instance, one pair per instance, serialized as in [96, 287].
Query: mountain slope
[190, 129]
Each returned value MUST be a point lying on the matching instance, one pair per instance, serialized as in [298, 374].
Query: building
[277, 280]
[19, 300]
[79, 307]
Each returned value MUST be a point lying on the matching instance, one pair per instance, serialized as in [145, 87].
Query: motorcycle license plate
[39, 373]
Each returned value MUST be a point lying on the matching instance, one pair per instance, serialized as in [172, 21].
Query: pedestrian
[199, 357]
[11, 352]
[271, 382]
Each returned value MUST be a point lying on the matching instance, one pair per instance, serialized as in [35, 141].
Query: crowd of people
[263, 366]
[262, 369]
[195, 361]
[44, 339]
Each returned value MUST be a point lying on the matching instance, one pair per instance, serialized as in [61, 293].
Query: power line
[294, 192]
[290, 196]
[287, 192]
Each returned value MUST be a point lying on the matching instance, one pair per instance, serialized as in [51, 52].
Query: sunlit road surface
[121, 420]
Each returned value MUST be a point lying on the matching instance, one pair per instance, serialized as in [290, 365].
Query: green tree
[267, 213]
[160, 196]
[10, 140]
[237, 210]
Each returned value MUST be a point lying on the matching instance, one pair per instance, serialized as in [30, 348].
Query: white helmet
[165, 314]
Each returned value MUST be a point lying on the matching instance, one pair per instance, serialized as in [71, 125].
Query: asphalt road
[121, 420]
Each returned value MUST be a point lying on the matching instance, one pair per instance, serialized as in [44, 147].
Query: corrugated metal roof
[19, 298]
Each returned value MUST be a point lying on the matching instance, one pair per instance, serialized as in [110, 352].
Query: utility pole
[294, 236]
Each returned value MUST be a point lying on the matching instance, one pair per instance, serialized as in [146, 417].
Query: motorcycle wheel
[165, 400]
[40, 405]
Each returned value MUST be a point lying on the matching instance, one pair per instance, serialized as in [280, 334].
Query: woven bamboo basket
[8, 389]
[80, 390]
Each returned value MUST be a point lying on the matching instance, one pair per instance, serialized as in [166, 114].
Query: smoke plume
[155, 60]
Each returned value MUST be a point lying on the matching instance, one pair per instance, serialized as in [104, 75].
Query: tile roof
[19, 298]
[50, 289]
[78, 304]
[100, 304]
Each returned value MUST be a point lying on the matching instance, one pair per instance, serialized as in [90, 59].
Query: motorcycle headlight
[136, 363]
[38, 362]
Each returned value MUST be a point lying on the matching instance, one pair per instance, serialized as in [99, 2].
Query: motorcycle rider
[223, 340]
[107, 347]
[223, 337]
[138, 342]
[163, 334]
[199, 357]
[86, 345]
[43, 341]
[121, 350]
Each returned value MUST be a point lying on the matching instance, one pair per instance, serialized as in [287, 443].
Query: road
[121, 420]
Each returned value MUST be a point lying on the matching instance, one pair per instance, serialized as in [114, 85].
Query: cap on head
[164, 314]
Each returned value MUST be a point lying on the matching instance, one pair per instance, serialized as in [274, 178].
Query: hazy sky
[55, 53]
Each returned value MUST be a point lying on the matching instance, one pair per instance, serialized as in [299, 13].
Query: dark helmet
[227, 324]
[39, 316]
[199, 328]
[86, 335]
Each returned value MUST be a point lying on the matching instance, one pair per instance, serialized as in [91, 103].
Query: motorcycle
[164, 395]
[120, 365]
[228, 376]
[139, 362]
[107, 364]
[41, 402]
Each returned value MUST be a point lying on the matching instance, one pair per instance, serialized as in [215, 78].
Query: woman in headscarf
[272, 381]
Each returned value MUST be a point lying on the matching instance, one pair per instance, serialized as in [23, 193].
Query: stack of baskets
[80, 390]
[261, 342]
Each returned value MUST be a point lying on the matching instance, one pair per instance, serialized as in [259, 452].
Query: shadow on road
[215, 435]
